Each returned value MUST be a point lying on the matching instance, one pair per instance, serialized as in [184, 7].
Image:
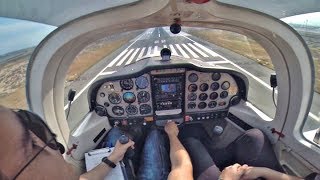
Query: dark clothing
[154, 160]
[251, 148]
[201, 159]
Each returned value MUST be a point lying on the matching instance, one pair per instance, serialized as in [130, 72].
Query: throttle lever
[124, 140]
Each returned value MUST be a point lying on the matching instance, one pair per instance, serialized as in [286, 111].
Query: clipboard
[93, 158]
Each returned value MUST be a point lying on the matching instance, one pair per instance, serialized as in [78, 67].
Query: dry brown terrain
[93, 54]
[315, 51]
[249, 48]
[12, 74]
[12, 83]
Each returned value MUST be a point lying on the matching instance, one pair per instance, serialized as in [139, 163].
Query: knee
[194, 145]
[154, 134]
[254, 135]
[191, 141]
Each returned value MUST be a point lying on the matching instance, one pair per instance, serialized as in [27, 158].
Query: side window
[18, 40]
[308, 26]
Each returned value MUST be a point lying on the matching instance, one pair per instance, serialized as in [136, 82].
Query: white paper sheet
[93, 158]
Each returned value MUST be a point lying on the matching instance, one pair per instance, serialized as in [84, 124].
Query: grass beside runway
[235, 42]
[94, 53]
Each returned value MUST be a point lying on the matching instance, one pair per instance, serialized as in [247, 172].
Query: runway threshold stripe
[207, 50]
[156, 51]
[149, 50]
[117, 58]
[124, 57]
[174, 52]
[141, 53]
[190, 51]
[198, 50]
[184, 54]
[132, 56]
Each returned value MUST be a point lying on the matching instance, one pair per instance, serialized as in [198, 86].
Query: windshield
[214, 46]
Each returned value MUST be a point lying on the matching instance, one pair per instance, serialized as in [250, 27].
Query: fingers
[244, 167]
[237, 165]
[130, 144]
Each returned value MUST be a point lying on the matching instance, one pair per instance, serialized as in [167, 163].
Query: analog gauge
[214, 96]
[192, 105]
[203, 96]
[212, 104]
[202, 105]
[193, 77]
[126, 84]
[192, 96]
[192, 88]
[224, 94]
[129, 97]
[114, 98]
[225, 85]
[131, 110]
[214, 86]
[118, 110]
[142, 82]
[204, 87]
[216, 76]
[145, 109]
[143, 97]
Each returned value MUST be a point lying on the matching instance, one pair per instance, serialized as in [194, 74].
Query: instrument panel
[178, 94]
[127, 98]
[208, 91]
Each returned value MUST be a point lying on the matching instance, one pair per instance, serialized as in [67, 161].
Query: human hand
[233, 172]
[171, 129]
[119, 151]
[253, 172]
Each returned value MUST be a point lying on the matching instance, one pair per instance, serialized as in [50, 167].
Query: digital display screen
[168, 88]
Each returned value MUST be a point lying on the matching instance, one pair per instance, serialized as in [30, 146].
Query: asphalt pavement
[151, 41]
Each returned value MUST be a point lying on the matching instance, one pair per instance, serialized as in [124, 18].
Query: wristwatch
[108, 162]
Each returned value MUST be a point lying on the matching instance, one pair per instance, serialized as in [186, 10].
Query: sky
[19, 34]
[311, 19]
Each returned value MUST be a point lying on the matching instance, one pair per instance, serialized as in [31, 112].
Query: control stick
[124, 140]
